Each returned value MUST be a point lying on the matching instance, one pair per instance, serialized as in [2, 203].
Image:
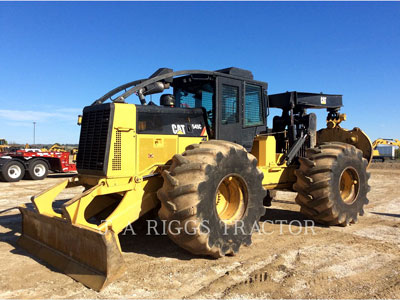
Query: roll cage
[166, 76]
[235, 110]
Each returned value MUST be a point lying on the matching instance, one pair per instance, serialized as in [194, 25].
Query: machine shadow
[285, 216]
[386, 214]
[148, 236]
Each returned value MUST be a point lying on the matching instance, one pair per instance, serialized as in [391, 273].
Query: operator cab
[234, 104]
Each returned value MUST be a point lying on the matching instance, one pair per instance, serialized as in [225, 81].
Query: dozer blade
[88, 256]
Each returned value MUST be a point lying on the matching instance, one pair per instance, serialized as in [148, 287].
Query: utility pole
[34, 132]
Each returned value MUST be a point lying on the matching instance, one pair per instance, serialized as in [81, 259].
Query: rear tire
[37, 170]
[208, 189]
[332, 184]
[12, 171]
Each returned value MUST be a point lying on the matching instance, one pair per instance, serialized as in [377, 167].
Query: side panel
[275, 176]
[155, 150]
[122, 154]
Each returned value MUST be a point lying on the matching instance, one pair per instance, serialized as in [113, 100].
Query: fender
[355, 137]
[44, 159]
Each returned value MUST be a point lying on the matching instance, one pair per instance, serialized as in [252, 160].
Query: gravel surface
[359, 261]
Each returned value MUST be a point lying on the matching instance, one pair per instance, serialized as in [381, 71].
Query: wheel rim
[349, 185]
[14, 171]
[39, 170]
[231, 199]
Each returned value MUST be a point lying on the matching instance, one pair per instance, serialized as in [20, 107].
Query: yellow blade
[86, 255]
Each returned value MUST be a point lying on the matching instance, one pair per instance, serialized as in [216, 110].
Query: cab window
[253, 115]
[229, 103]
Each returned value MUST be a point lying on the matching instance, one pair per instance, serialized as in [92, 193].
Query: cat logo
[178, 129]
[323, 100]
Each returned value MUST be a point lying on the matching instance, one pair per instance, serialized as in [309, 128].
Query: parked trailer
[384, 149]
[34, 165]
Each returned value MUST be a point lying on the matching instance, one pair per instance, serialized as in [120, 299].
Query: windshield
[197, 95]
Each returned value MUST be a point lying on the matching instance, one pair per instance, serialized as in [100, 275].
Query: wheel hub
[231, 199]
[39, 170]
[349, 185]
[14, 171]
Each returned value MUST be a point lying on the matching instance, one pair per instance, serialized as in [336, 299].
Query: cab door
[229, 107]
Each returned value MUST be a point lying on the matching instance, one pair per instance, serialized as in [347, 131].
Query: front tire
[208, 190]
[332, 184]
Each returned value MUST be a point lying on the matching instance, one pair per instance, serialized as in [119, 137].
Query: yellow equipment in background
[380, 156]
[74, 153]
[54, 148]
[205, 159]
[4, 145]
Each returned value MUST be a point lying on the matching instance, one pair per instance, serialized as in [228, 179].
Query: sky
[57, 57]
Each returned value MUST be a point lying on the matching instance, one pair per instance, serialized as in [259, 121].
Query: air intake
[92, 155]
[116, 161]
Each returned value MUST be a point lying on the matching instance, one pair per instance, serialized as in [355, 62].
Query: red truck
[33, 164]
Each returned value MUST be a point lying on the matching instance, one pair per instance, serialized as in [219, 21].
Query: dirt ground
[359, 261]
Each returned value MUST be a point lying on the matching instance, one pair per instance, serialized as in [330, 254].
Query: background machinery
[205, 160]
[386, 152]
[55, 148]
[33, 164]
[3, 145]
